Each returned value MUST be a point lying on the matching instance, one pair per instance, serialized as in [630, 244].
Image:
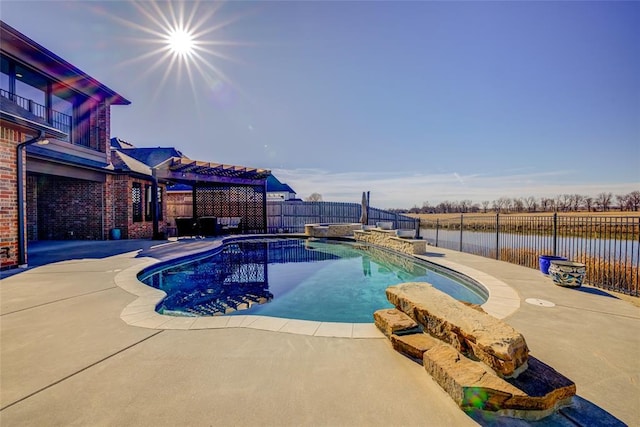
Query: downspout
[22, 247]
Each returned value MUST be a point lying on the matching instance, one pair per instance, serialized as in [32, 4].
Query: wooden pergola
[220, 191]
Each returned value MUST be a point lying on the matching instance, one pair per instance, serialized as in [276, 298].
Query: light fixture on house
[42, 141]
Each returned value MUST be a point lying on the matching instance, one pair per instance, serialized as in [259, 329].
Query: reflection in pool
[306, 279]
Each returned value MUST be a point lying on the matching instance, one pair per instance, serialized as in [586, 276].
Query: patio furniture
[187, 226]
[208, 226]
[229, 224]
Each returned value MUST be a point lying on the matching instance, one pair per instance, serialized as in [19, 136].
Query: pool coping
[503, 301]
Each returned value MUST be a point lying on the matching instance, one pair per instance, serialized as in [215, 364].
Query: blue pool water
[320, 280]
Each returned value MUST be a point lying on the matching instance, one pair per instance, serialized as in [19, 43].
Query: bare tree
[546, 204]
[507, 203]
[603, 201]
[530, 204]
[623, 201]
[634, 200]
[485, 205]
[314, 197]
[501, 204]
[465, 205]
[563, 202]
[588, 203]
[518, 204]
[576, 201]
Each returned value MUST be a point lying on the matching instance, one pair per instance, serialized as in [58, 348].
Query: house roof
[171, 165]
[151, 156]
[120, 143]
[124, 163]
[43, 153]
[21, 47]
[274, 185]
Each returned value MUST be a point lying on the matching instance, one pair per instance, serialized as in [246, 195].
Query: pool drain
[539, 302]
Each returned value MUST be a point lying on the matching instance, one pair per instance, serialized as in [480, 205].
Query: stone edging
[502, 302]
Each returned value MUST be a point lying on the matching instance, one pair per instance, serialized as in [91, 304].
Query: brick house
[62, 177]
[209, 191]
[69, 188]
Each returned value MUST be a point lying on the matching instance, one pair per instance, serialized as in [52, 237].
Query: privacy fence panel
[291, 217]
[609, 246]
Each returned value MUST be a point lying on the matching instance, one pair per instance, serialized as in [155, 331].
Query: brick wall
[9, 139]
[69, 208]
[31, 198]
[122, 207]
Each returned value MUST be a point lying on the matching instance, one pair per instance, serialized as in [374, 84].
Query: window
[31, 89]
[62, 107]
[4, 76]
[159, 203]
[148, 207]
[58, 104]
[136, 201]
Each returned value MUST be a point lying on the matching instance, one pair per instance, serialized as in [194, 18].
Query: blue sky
[413, 101]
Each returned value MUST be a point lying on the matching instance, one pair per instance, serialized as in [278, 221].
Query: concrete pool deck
[68, 358]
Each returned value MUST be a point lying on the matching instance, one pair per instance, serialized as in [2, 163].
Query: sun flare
[180, 41]
[185, 34]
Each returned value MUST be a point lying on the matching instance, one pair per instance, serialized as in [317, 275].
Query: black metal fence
[609, 246]
[291, 217]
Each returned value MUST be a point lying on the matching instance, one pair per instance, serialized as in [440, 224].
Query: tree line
[602, 202]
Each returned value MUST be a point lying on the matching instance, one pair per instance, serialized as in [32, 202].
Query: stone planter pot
[567, 273]
[385, 225]
[545, 260]
[406, 234]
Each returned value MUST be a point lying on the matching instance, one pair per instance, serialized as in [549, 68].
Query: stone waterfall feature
[480, 361]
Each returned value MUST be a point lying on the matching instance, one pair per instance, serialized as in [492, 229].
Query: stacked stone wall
[330, 230]
[480, 361]
[388, 239]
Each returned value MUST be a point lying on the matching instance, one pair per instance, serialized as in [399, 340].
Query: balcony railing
[58, 120]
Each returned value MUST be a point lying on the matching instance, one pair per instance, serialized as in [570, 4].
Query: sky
[413, 101]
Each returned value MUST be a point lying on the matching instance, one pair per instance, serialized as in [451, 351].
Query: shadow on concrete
[50, 251]
[595, 291]
[433, 254]
[581, 412]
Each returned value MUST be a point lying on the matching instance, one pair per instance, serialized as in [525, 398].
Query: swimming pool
[296, 278]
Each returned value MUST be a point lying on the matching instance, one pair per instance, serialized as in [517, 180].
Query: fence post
[555, 233]
[461, 226]
[281, 217]
[417, 224]
[437, 229]
[498, 235]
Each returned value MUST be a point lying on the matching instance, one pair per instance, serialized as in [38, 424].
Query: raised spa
[307, 279]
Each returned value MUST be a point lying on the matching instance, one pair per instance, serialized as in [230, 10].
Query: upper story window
[59, 105]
